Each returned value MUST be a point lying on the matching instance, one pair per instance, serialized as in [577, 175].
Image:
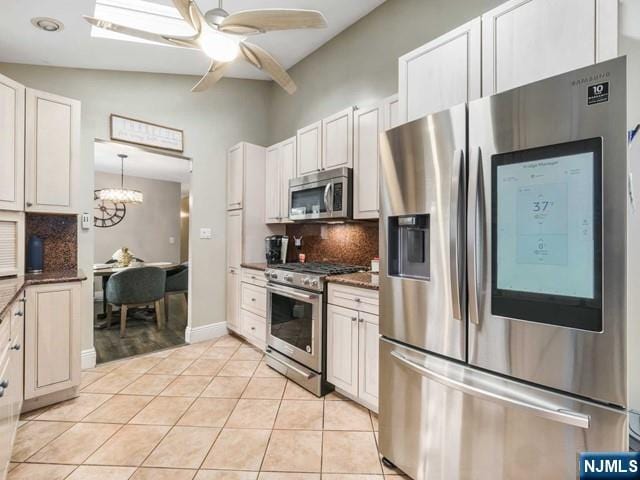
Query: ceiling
[20, 42]
[141, 163]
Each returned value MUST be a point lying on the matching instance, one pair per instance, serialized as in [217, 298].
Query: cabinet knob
[4, 383]
[19, 314]
[354, 319]
[253, 299]
[17, 346]
[357, 300]
[361, 320]
[29, 204]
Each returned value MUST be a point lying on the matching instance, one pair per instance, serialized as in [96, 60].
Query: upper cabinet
[527, 40]
[309, 146]
[11, 144]
[443, 73]
[52, 150]
[391, 112]
[337, 140]
[281, 167]
[235, 176]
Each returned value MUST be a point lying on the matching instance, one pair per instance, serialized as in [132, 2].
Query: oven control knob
[315, 283]
[267, 274]
[306, 280]
[288, 278]
[274, 275]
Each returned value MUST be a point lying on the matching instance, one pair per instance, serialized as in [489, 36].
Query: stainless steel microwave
[325, 195]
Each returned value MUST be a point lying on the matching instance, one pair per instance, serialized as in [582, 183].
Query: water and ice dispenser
[409, 247]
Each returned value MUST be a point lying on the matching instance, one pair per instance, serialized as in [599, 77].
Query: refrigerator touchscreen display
[546, 218]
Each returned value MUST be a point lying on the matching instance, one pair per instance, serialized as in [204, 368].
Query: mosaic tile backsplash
[59, 234]
[350, 243]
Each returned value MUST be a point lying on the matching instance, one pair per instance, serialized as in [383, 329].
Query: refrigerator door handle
[457, 181]
[475, 208]
[557, 414]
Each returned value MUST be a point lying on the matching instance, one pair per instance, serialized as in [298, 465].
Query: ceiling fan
[222, 37]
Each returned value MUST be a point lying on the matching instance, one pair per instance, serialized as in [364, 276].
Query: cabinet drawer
[254, 327]
[254, 299]
[360, 299]
[254, 277]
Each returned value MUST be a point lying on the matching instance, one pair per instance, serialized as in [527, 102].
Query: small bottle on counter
[375, 265]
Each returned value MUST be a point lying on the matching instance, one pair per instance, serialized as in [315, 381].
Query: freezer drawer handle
[556, 414]
[297, 370]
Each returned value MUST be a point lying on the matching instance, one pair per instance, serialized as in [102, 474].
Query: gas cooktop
[307, 275]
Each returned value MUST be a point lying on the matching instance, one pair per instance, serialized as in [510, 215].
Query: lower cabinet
[52, 339]
[233, 300]
[253, 308]
[11, 374]
[352, 354]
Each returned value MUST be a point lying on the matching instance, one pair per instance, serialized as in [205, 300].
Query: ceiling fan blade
[215, 73]
[184, 9]
[250, 22]
[261, 59]
[187, 42]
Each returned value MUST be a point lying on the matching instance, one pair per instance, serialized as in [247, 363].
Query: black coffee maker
[275, 248]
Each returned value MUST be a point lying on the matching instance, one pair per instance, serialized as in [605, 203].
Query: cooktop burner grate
[320, 268]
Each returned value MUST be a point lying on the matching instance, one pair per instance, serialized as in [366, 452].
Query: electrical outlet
[206, 234]
[172, 240]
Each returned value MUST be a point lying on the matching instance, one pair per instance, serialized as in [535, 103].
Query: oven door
[294, 322]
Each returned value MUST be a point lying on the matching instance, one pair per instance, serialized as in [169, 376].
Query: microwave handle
[328, 194]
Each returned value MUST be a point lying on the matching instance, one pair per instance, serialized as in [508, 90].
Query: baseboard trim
[88, 358]
[205, 332]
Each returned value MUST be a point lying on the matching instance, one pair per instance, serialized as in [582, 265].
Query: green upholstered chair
[136, 287]
[177, 282]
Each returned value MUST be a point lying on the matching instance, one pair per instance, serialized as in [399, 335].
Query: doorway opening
[141, 250]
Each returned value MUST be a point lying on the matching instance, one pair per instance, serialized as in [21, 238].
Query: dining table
[105, 270]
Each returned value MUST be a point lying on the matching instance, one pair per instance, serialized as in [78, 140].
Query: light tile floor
[208, 411]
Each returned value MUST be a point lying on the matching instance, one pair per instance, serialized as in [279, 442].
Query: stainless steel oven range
[296, 327]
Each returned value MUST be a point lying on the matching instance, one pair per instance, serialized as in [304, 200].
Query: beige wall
[146, 227]
[212, 122]
[184, 229]
[361, 64]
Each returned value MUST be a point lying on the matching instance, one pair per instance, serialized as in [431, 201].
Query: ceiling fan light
[120, 195]
[218, 46]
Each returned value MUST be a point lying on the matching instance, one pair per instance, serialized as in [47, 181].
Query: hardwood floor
[142, 334]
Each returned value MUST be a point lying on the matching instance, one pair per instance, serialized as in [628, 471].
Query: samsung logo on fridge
[612, 466]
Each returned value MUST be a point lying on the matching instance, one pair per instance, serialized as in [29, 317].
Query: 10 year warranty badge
[609, 466]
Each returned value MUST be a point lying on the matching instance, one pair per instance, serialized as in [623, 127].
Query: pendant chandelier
[121, 195]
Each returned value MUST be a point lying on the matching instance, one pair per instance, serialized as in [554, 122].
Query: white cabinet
[309, 146]
[52, 338]
[281, 167]
[272, 185]
[368, 123]
[528, 40]
[234, 238]
[52, 153]
[342, 348]
[11, 243]
[391, 111]
[12, 98]
[233, 299]
[352, 344]
[443, 73]
[253, 307]
[235, 176]
[337, 140]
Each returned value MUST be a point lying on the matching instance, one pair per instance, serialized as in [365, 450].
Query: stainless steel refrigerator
[503, 304]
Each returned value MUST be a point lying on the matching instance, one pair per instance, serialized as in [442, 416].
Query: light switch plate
[206, 234]
[85, 221]
[172, 240]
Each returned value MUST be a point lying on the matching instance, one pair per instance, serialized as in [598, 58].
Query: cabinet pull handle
[357, 300]
[29, 204]
[18, 314]
[253, 299]
[17, 346]
[361, 320]
[354, 319]
[4, 383]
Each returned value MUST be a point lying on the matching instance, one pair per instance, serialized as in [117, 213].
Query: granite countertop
[12, 287]
[359, 279]
[255, 266]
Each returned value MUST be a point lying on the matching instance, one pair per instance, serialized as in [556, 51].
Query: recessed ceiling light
[47, 24]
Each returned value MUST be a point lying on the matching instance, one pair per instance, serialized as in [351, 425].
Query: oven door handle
[290, 293]
[297, 370]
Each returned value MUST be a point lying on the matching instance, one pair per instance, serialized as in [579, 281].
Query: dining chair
[177, 282]
[136, 287]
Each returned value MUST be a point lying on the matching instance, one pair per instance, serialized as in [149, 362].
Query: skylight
[140, 14]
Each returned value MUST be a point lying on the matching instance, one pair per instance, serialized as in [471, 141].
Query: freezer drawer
[441, 420]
